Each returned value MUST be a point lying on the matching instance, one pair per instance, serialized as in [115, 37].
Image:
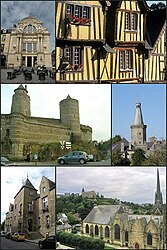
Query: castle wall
[19, 130]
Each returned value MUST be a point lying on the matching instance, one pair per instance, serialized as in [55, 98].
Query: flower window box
[79, 20]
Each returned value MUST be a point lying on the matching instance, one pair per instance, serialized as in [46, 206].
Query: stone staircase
[33, 235]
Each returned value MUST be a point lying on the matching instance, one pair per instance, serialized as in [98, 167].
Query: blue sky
[152, 98]
[133, 184]
[14, 11]
[12, 179]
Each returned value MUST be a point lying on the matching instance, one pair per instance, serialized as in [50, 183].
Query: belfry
[138, 129]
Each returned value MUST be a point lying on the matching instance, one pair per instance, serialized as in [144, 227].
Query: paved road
[20, 78]
[52, 164]
[10, 244]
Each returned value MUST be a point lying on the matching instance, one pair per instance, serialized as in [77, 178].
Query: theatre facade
[29, 44]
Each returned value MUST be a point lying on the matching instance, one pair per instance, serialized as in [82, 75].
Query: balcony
[45, 209]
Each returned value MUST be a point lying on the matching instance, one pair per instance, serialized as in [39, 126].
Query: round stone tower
[69, 114]
[21, 101]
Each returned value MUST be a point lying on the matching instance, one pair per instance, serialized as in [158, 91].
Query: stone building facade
[29, 44]
[19, 129]
[33, 213]
[115, 225]
[5, 43]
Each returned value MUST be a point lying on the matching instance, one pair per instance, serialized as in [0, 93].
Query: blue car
[74, 156]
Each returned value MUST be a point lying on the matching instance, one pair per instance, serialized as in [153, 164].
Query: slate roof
[154, 24]
[117, 146]
[146, 218]
[102, 214]
[138, 115]
[63, 227]
[21, 87]
[28, 184]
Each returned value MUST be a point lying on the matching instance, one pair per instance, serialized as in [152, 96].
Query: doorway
[3, 60]
[137, 246]
[30, 225]
[29, 61]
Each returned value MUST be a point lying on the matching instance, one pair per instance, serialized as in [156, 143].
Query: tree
[116, 159]
[157, 158]
[72, 219]
[138, 157]
[157, 6]
[116, 139]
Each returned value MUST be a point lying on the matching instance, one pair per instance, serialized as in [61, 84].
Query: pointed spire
[158, 193]
[138, 115]
[158, 183]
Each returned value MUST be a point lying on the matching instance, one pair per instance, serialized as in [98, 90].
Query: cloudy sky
[131, 184]
[13, 11]
[12, 179]
[153, 104]
[94, 103]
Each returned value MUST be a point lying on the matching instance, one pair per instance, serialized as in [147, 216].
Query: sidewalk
[37, 163]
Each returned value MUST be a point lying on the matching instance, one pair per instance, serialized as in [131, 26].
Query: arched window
[30, 29]
[96, 230]
[107, 233]
[117, 232]
[149, 239]
[126, 236]
[87, 228]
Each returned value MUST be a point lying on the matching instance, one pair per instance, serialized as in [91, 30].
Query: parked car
[9, 235]
[18, 237]
[6, 162]
[74, 156]
[48, 243]
[3, 234]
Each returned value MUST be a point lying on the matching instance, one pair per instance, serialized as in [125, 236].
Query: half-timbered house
[125, 31]
[80, 40]
[155, 70]
[109, 42]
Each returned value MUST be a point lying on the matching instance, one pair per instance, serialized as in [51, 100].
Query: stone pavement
[34, 241]
[20, 78]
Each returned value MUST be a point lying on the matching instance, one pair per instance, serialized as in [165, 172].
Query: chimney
[130, 146]
[122, 146]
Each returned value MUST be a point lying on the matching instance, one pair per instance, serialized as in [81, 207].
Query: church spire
[158, 193]
[138, 115]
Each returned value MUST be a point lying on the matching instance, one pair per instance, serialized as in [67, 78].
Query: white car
[6, 162]
[3, 234]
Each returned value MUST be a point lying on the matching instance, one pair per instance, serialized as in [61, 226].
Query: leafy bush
[81, 241]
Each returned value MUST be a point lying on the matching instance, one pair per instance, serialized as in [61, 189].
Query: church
[19, 130]
[115, 225]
